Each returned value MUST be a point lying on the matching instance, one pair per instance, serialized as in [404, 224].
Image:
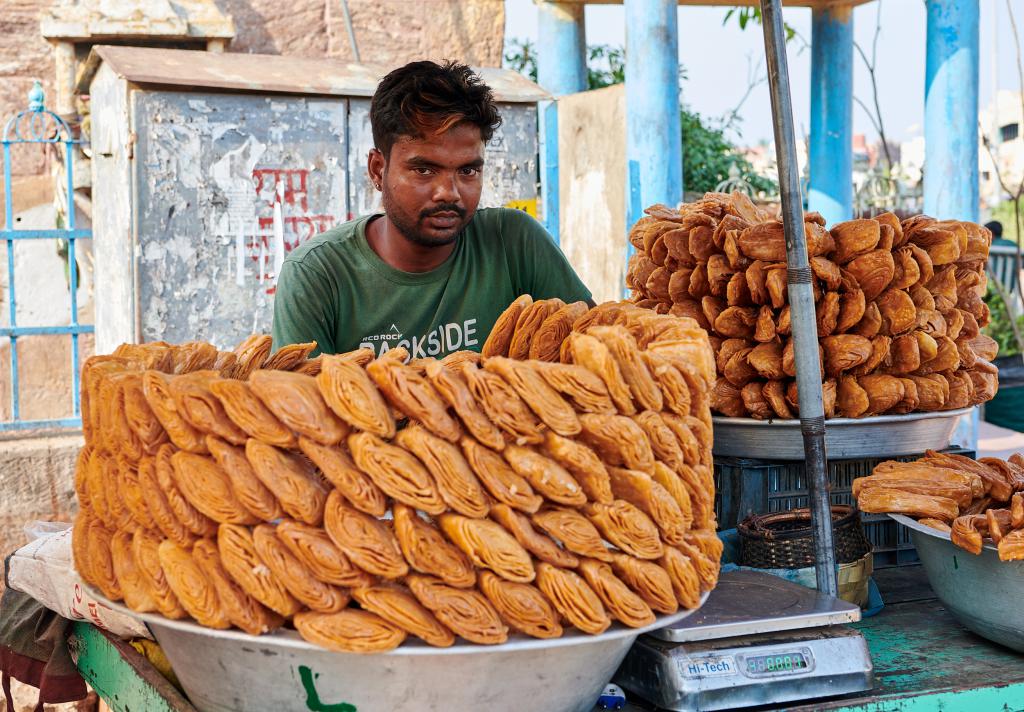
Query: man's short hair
[425, 99]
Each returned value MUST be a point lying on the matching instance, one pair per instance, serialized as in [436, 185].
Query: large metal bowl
[845, 438]
[981, 592]
[231, 671]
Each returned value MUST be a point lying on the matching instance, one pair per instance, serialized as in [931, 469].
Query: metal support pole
[831, 149]
[350, 30]
[561, 69]
[654, 141]
[801, 300]
[951, 128]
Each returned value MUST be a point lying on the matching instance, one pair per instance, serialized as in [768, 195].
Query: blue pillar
[561, 69]
[951, 128]
[831, 149]
[654, 142]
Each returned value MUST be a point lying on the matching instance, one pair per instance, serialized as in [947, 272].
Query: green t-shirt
[335, 289]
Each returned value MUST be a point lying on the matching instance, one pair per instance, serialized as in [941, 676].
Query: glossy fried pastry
[727, 399]
[648, 580]
[582, 463]
[155, 386]
[623, 604]
[428, 552]
[400, 608]
[674, 387]
[663, 440]
[504, 406]
[139, 416]
[1017, 510]
[640, 490]
[543, 400]
[936, 524]
[129, 579]
[624, 349]
[964, 532]
[452, 387]
[590, 353]
[297, 487]
[573, 598]
[529, 324]
[295, 399]
[587, 392]
[994, 483]
[194, 356]
[521, 606]
[396, 471]
[454, 478]
[488, 545]
[319, 554]
[131, 491]
[706, 568]
[159, 507]
[241, 609]
[854, 237]
[246, 486]
[548, 340]
[208, 489]
[288, 357]
[353, 397]
[464, 611]
[336, 465]
[250, 355]
[844, 352]
[248, 412]
[239, 558]
[943, 472]
[534, 542]
[500, 338]
[880, 500]
[998, 523]
[545, 475]
[365, 540]
[349, 631]
[956, 491]
[311, 366]
[573, 530]
[184, 511]
[627, 527]
[1011, 546]
[851, 398]
[296, 577]
[499, 479]
[197, 404]
[676, 487]
[883, 392]
[618, 439]
[874, 271]
[145, 549]
[194, 591]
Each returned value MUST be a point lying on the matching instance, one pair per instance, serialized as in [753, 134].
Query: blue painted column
[654, 142]
[561, 69]
[831, 149]
[951, 128]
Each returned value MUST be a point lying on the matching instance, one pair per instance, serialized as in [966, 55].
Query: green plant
[1006, 213]
[1000, 328]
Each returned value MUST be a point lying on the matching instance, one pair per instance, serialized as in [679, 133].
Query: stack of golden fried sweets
[899, 306]
[362, 500]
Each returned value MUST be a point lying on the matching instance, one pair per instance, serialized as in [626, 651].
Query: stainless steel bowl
[981, 591]
[845, 438]
[228, 670]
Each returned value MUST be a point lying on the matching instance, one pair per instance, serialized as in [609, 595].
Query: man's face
[431, 186]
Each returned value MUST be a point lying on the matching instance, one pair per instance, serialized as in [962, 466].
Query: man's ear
[375, 163]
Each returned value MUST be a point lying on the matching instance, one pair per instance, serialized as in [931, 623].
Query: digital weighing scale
[758, 640]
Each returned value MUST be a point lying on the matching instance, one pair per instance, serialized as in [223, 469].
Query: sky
[719, 59]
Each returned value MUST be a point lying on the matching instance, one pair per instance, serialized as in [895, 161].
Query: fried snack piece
[156, 388]
[159, 508]
[500, 480]
[521, 606]
[529, 324]
[964, 532]
[583, 463]
[500, 338]
[208, 489]
[194, 356]
[935, 524]
[1017, 510]
[193, 590]
[129, 578]
[396, 471]
[874, 271]
[627, 527]
[241, 609]
[319, 554]
[139, 416]
[145, 551]
[999, 523]
[452, 387]
[624, 349]
[648, 580]
[545, 475]
[300, 581]
[663, 441]
[727, 399]
[250, 355]
[295, 484]
[365, 540]
[295, 399]
[595, 356]
[458, 486]
[465, 611]
[288, 357]
[353, 397]
[618, 439]
[336, 465]
[676, 487]
[674, 387]
[349, 631]
[543, 400]
[239, 558]
[879, 500]
[640, 490]
[248, 413]
[537, 544]
[553, 331]
[1010, 472]
[1011, 546]
[574, 531]
[623, 604]
[131, 492]
[854, 237]
[311, 366]
[573, 598]
[706, 568]
[195, 521]
[995, 486]
[946, 472]
[504, 406]
[428, 552]
[587, 392]
[899, 313]
[958, 492]
[851, 398]
[883, 392]
[844, 352]
[488, 545]
[400, 608]
[197, 404]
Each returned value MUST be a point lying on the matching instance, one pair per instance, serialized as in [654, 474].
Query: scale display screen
[791, 662]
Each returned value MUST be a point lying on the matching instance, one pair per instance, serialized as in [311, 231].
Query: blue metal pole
[831, 149]
[12, 306]
[561, 69]
[654, 142]
[951, 128]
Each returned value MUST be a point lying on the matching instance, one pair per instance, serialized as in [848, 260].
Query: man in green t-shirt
[432, 273]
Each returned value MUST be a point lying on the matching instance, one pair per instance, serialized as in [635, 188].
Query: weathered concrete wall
[592, 187]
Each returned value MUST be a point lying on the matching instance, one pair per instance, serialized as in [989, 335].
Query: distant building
[1002, 122]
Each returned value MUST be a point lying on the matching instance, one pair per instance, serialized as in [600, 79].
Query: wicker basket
[784, 540]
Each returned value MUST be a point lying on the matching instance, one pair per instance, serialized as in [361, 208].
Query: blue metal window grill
[38, 125]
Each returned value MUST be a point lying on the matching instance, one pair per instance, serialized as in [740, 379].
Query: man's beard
[409, 226]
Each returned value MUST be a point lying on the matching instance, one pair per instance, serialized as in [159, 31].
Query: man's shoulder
[512, 226]
[338, 237]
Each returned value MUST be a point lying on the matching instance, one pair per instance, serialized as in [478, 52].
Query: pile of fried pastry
[972, 500]
[364, 500]
[899, 306]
